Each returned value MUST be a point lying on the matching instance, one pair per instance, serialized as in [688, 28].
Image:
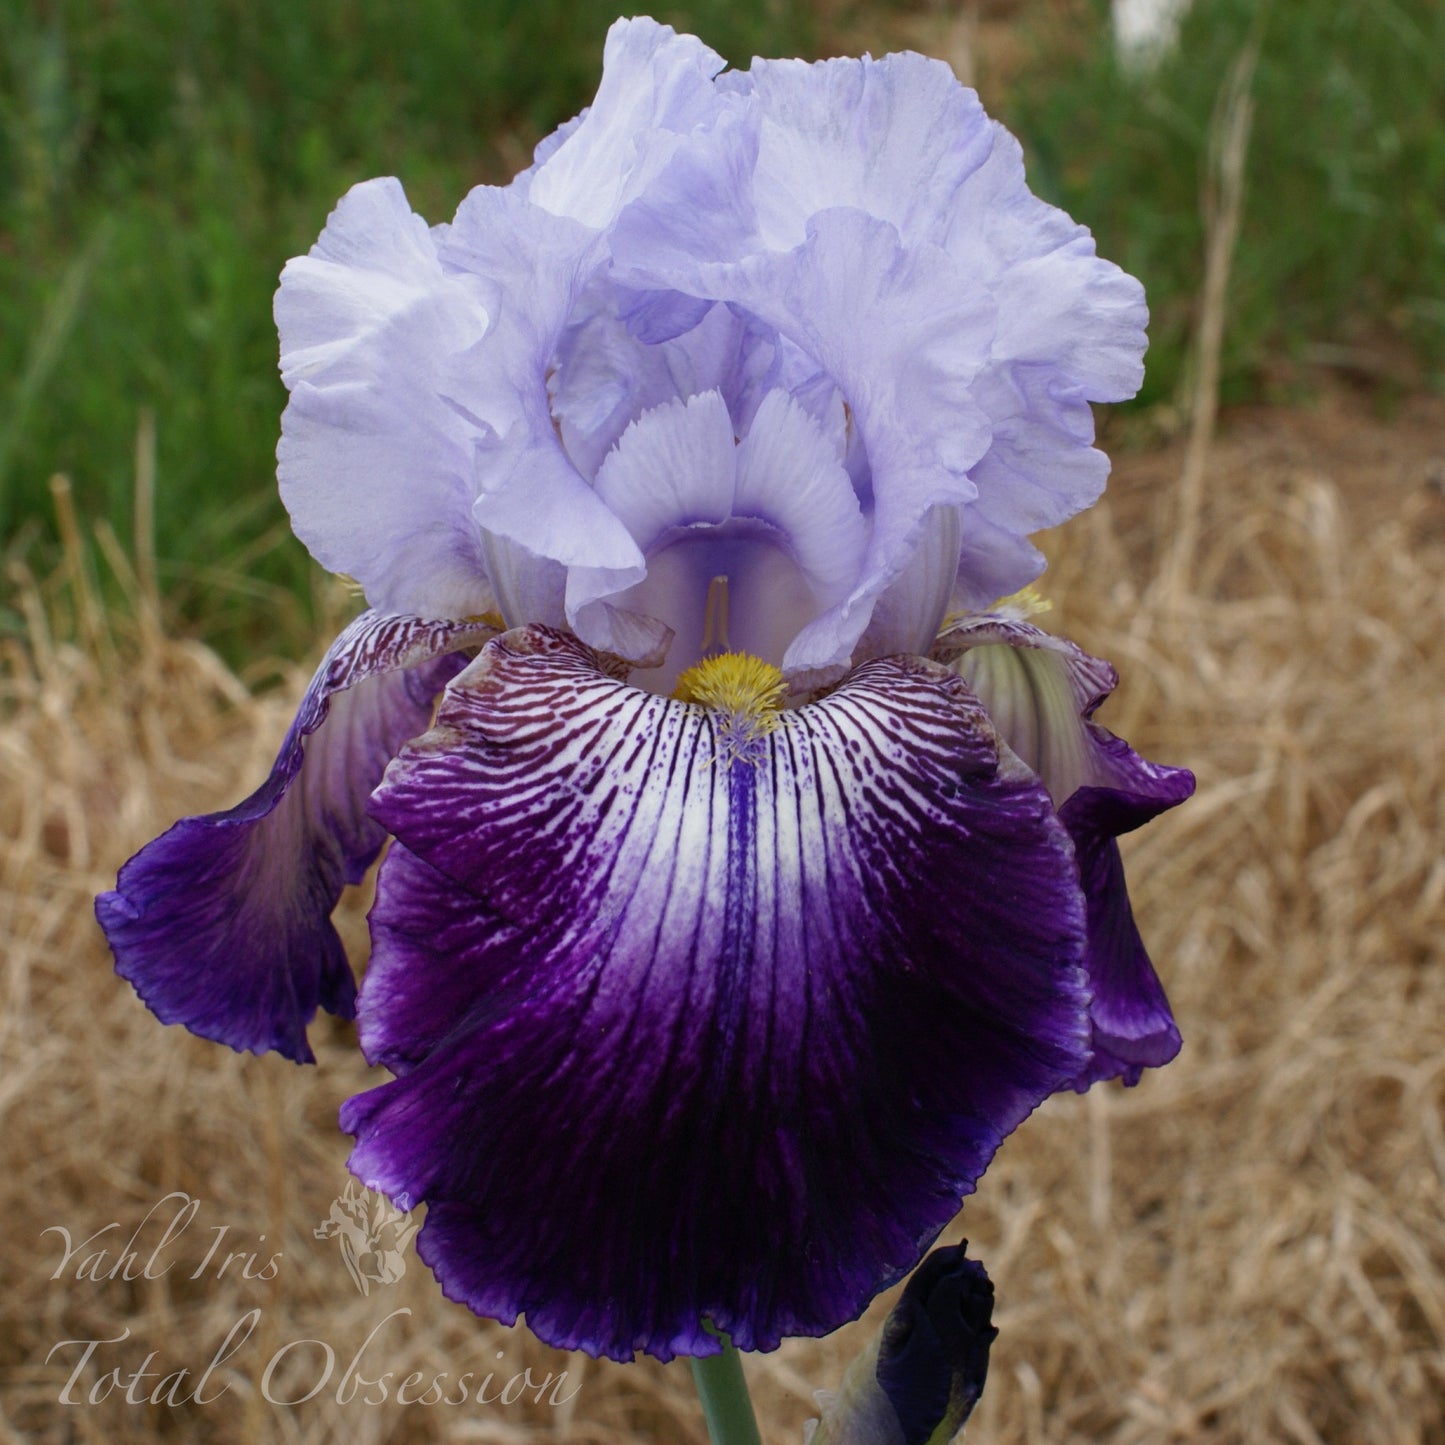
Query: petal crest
[771, 1007]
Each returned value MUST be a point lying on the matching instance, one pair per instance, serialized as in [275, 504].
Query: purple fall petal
[1042, 692]
[1133, 1026]
[223, 923]
[693, 1025]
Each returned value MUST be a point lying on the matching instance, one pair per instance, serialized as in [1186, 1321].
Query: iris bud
[918, 1380]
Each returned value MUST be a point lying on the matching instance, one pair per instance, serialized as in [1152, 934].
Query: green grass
[1343, 241]
[160, 162]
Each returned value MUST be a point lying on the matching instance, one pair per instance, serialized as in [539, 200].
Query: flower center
[745, 691]
[736, 683]
[730, 587]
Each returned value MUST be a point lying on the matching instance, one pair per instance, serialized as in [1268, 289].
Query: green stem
[724, 1393]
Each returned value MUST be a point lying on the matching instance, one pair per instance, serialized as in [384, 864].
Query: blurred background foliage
[160, 162]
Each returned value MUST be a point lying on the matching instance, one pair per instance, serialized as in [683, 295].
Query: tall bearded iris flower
[751, 876]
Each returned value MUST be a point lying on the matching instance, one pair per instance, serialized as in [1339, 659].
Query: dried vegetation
[1249, 1247]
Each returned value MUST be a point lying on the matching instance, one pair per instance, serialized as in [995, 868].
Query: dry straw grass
[1248, 1247]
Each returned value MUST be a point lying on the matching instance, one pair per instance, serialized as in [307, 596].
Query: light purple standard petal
[223, 923]
[606, 375]
[696, 1028]
[774, 514]
[895, 137]
[901, 142]
[1070, 332]
[1061, 305]
[375, 462]
[1041, 692]
[536, 512]
[903, 334]
[656, 87]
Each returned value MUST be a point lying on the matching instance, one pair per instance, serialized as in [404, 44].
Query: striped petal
[694, 1021]
[1042, 692]
[223, 923]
